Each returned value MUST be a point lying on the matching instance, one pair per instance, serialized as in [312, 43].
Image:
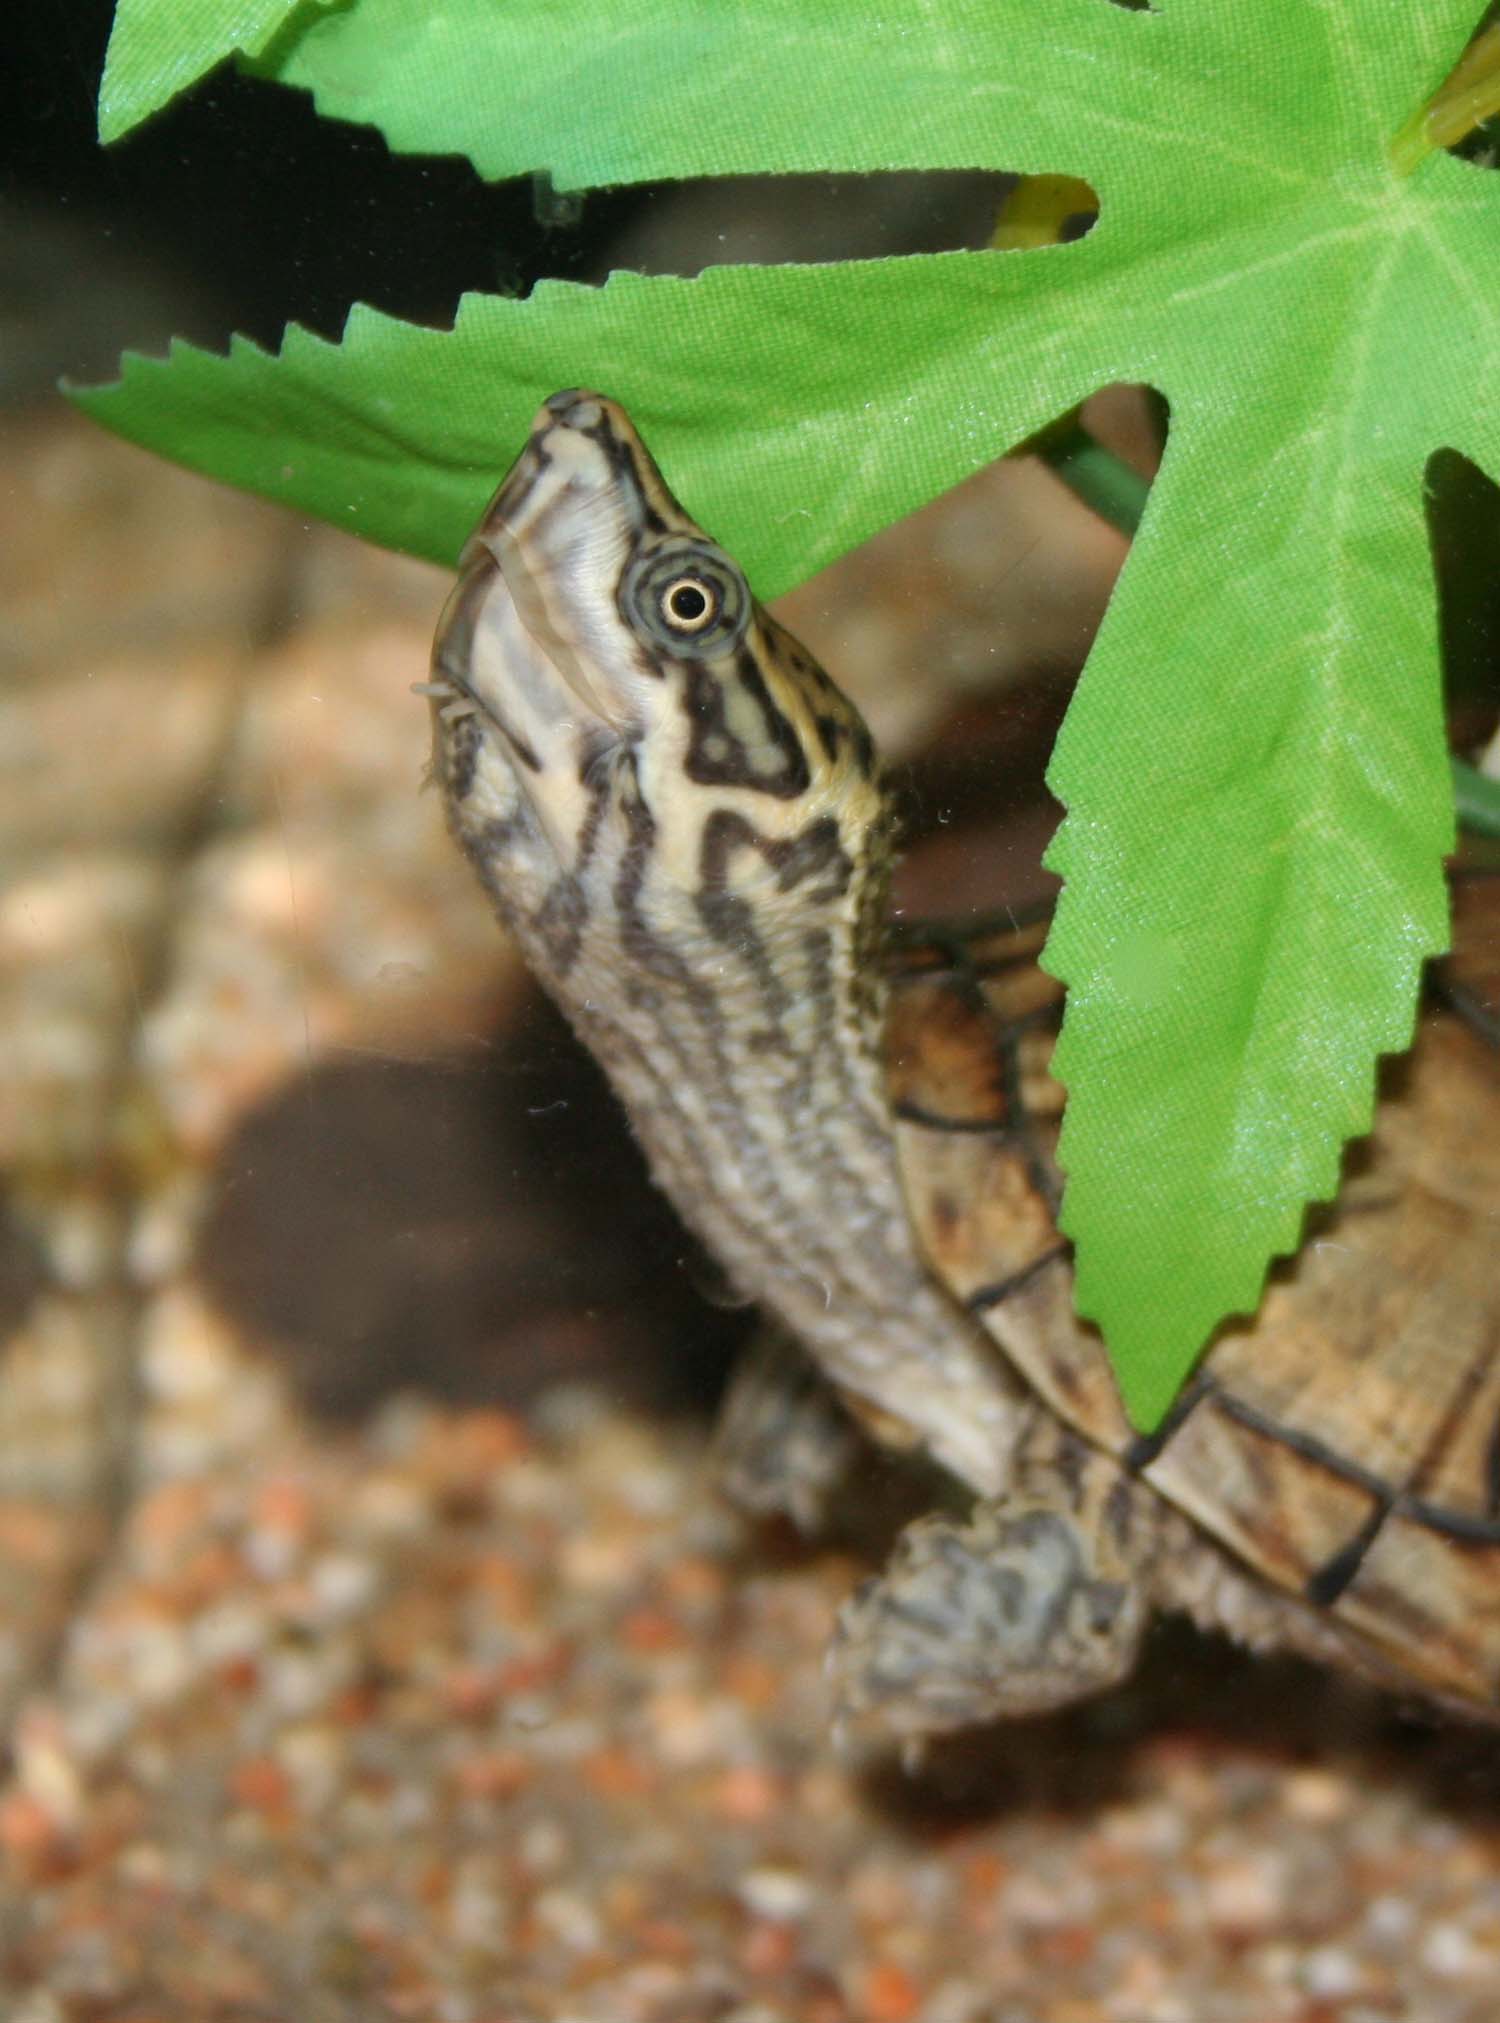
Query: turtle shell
[1345, 1442]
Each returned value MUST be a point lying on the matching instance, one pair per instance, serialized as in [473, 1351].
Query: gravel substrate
[464, 1722]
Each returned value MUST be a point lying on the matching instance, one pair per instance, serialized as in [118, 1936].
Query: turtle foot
[1020, 1609]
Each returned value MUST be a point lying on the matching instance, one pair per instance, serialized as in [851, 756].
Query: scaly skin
[692, 847]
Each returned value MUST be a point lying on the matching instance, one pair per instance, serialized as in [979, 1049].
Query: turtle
[683, 822]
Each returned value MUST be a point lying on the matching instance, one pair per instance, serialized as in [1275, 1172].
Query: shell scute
[1378, 1341]
[1001, 1253]
[1283, 1509]
[941, 1062]
[1345, 1440]
[1437, 1598]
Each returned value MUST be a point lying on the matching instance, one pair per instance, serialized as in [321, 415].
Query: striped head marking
[622, 734]
[676, 814]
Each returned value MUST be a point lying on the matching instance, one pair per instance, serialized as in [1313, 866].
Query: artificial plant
[1254, 770]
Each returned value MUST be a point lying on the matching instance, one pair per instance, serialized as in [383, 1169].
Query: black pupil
[687, 603]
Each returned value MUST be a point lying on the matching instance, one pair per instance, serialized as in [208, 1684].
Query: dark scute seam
[1145, 1447]
[1328, 1582]
[1005, 1039]
[971, 1127]
[995, 1295]
[1307, 1445]
[1449, 1523]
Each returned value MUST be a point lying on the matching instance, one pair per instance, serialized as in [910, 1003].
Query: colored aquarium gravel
[468, 1722]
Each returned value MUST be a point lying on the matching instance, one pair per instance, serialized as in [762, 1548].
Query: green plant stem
[1476, 798]
[1103, 481]
[1117, 493]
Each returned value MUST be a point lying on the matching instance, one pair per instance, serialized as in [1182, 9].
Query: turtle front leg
[784, 1444]
[1037, 1598]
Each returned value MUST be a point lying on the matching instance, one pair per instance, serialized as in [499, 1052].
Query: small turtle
[681, 819]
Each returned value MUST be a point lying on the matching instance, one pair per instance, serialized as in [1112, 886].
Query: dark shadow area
[251, 210]
[1202, 1695]
[478, 1228]
[23, 1271]
[1463, 521]
[261, 210]
[975, 809]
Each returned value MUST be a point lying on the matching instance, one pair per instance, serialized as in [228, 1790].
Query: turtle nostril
[575, 407]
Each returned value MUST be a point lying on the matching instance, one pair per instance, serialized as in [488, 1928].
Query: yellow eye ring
[689, 604]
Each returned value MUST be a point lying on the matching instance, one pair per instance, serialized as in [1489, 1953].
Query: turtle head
[619, 726]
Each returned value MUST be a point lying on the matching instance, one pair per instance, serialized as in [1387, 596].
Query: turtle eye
[689, 604]
[688, 597]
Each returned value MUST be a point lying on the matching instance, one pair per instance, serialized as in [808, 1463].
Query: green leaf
[1254, 770]
[616, 93]
[400, 433]
[157, 48]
